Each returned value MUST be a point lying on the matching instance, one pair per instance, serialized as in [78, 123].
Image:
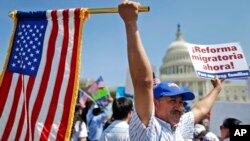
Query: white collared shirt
[118, 130]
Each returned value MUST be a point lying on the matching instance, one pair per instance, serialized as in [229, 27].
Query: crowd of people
[111, 123]
[158, 111]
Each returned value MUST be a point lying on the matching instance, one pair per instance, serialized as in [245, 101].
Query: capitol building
[177, 67]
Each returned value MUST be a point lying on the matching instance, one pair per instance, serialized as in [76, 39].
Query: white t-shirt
[118, 130]
[80, 131]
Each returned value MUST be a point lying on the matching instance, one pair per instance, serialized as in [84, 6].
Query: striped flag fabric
[99, 83]
[156, 81]
[40, 81]
[83, 98]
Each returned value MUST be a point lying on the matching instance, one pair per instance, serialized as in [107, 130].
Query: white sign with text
[224, 60]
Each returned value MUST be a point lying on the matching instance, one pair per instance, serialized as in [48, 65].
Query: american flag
[40, 79]
[99, 92]
[83, 98]
[99, 83]
[156, 81]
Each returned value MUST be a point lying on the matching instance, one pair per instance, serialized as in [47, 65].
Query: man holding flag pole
[158, 110]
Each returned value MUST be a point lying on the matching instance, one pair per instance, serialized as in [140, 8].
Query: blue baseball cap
[172, 89]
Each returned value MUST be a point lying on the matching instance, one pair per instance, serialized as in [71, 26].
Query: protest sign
[120, 92]
[223, 60]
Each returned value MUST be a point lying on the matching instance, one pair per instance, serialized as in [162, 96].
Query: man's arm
[202, 107]
[139, 65]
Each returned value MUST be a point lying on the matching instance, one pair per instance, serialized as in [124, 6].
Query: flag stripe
[45, 78]
[5, 89]
[59, 112]
[38, 80]
[56, 62]
[20, 124]
[13, 110]
[18, 115]
[9, 103]
[28, 95]
[65, 116]
[65, 82]
[24, 131]
[58, 82]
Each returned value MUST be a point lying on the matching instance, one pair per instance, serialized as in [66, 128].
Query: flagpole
[96, 10]
[114, 10]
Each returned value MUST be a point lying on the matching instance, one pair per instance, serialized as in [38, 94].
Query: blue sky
[104, 40]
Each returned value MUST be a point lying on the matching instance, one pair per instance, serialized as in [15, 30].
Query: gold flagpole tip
[12, 14]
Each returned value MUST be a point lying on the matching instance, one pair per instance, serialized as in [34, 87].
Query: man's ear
[156, 103]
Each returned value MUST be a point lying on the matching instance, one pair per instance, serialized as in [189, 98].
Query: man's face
[169, 109]
[224, 132]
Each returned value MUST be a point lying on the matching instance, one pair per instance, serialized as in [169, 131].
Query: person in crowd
[96, 117]
[206, 121]
[118, 130]
[159, 114]
[79, 131]
[224, 128]
[201, 134]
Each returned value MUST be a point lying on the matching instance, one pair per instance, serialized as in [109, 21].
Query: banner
[40, 79]
[224, 60]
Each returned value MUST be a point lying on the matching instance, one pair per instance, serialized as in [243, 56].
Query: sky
[104, 39]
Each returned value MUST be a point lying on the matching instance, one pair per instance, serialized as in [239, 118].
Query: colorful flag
[156, 81]
[99, 83]
[99, 92]
[83, 98]
[40, 78]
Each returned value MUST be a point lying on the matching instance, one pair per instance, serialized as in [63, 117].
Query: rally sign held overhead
[224, 60]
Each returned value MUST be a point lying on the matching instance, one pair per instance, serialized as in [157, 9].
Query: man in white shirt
[118, 130]
[158, 110]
